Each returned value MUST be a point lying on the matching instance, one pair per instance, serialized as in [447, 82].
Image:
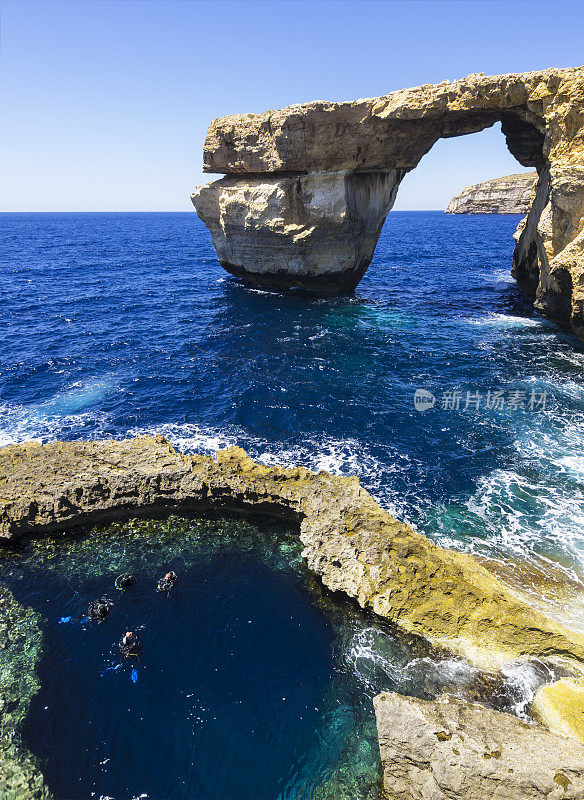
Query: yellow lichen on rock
[560, 707]
[353, 544]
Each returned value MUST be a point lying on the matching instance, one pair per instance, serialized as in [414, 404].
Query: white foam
[522, 681]
[374, 658]
[505, 321]
[21, 423]
[189, 438]
[336, 456]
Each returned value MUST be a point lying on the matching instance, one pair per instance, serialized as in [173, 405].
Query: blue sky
[105, 104]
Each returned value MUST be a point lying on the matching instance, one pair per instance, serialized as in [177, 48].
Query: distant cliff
[508, 195]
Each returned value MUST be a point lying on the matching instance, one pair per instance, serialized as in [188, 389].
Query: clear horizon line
[167, 211]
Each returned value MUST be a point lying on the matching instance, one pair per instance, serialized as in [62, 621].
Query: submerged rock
[448, 748]
[310, 185]
[20, 646]
[508, 195]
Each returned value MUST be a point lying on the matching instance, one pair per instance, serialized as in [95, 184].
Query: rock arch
[307, 188]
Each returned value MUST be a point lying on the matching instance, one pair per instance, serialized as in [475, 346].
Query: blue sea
[119, 324]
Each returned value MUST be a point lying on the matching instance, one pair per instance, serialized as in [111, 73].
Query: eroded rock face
[508, 195]
[448, 748]
[349, 541]
[287, 212]
[316, 231]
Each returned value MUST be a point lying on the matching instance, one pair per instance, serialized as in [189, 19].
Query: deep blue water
[252, 684]
[114, 324]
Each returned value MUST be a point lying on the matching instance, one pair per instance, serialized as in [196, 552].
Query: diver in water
[99, 609]
[124, 581]
[130, 646]
[167, 583]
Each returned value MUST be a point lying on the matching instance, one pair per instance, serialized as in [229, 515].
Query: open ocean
[119, 324]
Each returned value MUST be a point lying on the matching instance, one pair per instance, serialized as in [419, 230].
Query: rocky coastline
[308, 187]
[510, 194]
[352, 545]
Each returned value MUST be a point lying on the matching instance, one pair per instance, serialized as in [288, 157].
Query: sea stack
[510, 194]
[307, 188]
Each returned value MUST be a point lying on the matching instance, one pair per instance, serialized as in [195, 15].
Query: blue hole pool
[253, 681]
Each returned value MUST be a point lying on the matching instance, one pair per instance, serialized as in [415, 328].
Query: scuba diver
[99, 609]
[167, 583]
[124, 581]
[130, 646]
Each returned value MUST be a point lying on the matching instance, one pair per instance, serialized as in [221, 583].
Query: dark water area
[252, 681]
[118, 324]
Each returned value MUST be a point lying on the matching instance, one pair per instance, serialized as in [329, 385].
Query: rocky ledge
[307, 188]
[355, 546]
[508, 195]
[448, 748]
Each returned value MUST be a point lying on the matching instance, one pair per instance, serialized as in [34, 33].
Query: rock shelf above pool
[354, 545]
[308, 187]
[350, 542]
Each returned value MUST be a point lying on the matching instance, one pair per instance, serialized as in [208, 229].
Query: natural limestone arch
[307, 188]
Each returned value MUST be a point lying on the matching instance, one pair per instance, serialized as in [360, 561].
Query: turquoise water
[118, 324]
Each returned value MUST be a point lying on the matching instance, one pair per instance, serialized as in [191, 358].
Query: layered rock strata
[309, 186]
[448, 748]
[508, 195]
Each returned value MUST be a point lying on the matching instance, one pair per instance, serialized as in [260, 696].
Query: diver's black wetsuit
[99, 609]
[124, 581]
[167, 584]
[130, 647]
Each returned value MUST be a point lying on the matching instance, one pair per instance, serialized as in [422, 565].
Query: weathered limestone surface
[448, 748]
[349, 540]
[560, 707]
[508, 195]
[287, 215]
[316, 231]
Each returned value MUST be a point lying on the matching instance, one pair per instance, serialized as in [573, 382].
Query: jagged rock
[349, 541]
[310, 185]
[508, 195]
[447, 748]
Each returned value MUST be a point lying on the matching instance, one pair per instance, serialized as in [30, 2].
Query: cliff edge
[510, 194]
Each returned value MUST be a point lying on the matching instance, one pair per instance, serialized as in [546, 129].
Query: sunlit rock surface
[349, 540]
[508, 195]
[448, 748]
[292, 177]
